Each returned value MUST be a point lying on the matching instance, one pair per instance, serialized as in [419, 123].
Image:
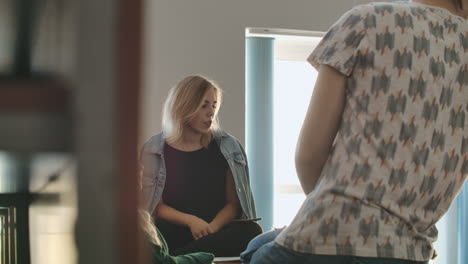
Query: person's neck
[190, 141]
[191, 137]
[444, 4]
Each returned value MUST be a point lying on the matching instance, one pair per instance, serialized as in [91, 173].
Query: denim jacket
[154, 171]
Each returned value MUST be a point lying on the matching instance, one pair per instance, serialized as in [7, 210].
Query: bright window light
[294, 79]
[1, 241]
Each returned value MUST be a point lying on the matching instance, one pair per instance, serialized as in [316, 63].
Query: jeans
[229, 241]
[263, 250]
[258, 242]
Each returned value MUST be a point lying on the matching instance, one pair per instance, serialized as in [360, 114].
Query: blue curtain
[462, 226]
[259, 124]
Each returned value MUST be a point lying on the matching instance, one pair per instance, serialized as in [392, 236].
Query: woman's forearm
[309, 171]
[320, 126]
[232, 209]
[172, 215]
[229, 212]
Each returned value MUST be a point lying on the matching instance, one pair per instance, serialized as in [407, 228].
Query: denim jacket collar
[160, 139]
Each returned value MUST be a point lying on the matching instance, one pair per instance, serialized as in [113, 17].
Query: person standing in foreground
[383, 150]
[195, 176]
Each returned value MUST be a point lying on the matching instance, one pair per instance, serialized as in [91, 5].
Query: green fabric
[161, 255]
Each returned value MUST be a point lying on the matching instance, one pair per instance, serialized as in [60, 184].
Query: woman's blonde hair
[146, 224]
[183, 102]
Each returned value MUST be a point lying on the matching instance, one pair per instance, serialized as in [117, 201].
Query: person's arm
[198, 226]
[232, 209]
[321, 124]
[161, 255]
[149, 164]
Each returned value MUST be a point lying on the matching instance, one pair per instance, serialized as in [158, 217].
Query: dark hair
[457, 4]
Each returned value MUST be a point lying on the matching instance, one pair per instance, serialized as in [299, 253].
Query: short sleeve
[341, 45]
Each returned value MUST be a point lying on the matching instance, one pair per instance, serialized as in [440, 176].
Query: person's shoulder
[154, 143]
[222, 134]
[368, 16]
[380, 8]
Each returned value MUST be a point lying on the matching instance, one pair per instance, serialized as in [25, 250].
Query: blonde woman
[159, 250]
[195, 176]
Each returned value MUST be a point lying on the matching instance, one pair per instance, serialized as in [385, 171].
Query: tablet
[227, 260]
[248, 220]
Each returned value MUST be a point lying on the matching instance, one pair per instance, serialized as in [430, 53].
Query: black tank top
[196, 180]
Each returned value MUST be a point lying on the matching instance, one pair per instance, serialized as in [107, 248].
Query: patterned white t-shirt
[401, 154]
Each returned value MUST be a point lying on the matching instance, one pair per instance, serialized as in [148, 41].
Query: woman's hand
[199, 228]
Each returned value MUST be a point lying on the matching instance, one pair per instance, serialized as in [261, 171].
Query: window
[8, 235]
[2, 241]
[447, 242]
[294, 79]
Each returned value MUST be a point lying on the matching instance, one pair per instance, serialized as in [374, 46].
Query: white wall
[208, 37]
